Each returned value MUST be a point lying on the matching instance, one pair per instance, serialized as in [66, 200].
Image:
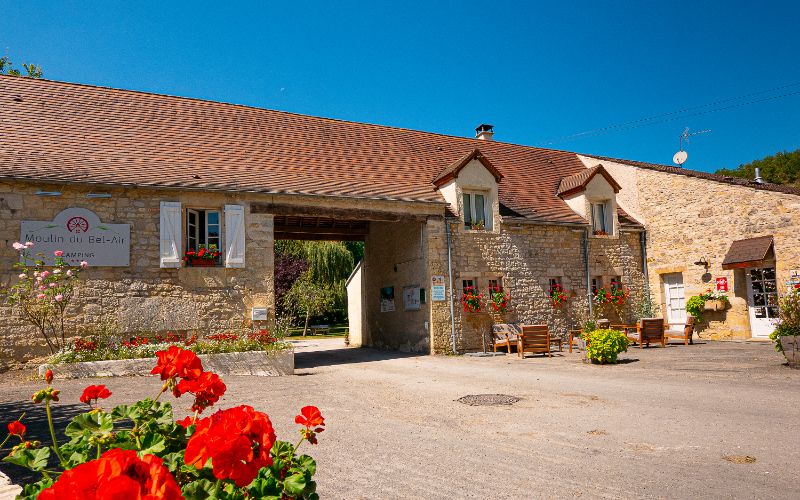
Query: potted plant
[787, 334]
[500, 301]
[202, 257]
[558, 296]
[603, 346]
[478, 226]
[715, 300]
[471, 300]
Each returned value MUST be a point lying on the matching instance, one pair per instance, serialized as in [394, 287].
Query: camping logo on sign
[81, 235]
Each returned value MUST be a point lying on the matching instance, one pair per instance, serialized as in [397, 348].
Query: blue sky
[537, 71]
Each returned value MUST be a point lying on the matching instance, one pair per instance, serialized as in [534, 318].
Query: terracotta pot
[791, 349]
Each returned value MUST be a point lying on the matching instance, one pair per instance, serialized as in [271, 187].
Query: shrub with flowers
[44, 292]
[141, 451]
[558, 296]
[472, 300]
[500, 300]
[146, 345]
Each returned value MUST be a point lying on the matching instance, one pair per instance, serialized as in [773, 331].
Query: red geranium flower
[48, 376]
[94, 392]
[312, 419]
[185, 422]
[207, 390]
[116, 474]
[177, 362]
[237, 441]
[16, 428]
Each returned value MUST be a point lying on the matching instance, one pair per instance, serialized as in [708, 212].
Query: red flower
[177, 362]
[185, 422]
[16, 428]
[117, 474]
[314, 422]
[237, 441]
[207, 390]
[94, 392]
[48, 376]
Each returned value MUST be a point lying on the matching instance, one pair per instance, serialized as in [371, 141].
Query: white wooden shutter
[234, 236]
[170, 234]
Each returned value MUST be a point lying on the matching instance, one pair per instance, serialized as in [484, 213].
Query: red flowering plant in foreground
[139, 450]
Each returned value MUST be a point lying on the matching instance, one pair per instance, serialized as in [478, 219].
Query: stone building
[437, 214]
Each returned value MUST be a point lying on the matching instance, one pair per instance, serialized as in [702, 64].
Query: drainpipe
[450, 273]
[586, 270]
[643, 244]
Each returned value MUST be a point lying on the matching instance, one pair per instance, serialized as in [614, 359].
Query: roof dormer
[469, 185]
[592, 194]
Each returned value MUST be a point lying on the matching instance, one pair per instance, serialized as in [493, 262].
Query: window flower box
[200, 262]
[202, 257]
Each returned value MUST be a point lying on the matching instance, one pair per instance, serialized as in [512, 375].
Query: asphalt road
[666, 423]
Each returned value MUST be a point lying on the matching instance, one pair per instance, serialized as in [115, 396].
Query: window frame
[607, 221]
[469, 200]
[198, 232]
[499, 283]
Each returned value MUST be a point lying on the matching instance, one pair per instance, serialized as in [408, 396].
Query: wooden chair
[534, 339]
[684, 333]
[651, 330]
[603, 324]
[575, 339]
[505, 335]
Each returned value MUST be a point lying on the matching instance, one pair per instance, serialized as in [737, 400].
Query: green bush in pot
[603, 346]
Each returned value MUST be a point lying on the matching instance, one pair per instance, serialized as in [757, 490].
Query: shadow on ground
[35, 421]
[346, 355]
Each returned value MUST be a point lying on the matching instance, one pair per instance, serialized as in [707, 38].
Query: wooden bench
[534, 339]
[319, 329]
[685, 333]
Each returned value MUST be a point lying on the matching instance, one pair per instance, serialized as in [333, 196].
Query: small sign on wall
[259, 314]
[387, 299]
[81, 235]
[437, 289]
[411, 298]
[722, 284]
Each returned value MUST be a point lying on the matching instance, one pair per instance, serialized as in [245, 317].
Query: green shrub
[783, 330]
[603, 346]
[694, 306]
[789, 325]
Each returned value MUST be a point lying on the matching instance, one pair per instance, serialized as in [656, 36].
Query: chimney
[758, 178]
[484, 132]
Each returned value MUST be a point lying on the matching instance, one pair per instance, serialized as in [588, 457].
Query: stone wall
[395, 256]
[689, 219]
[525, 257]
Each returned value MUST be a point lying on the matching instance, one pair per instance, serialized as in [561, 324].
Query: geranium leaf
[153, 444]
[200, 489]
[90, 423]
[295, 484]
[307, 464]
[34, 459]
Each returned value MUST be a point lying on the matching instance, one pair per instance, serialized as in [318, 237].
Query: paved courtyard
[666, 423]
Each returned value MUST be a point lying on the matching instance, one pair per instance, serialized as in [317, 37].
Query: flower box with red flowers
[500, 301]
[202, 257]
[558, 296]
[471, 300]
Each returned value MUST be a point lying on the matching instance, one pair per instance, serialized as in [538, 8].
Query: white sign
[259, 314]
[437, 288]
[81, 235]
[411, 298]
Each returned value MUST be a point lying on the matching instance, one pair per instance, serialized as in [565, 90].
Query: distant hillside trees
[780, 168]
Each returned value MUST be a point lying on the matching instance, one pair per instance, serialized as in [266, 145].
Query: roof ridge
[472, 140]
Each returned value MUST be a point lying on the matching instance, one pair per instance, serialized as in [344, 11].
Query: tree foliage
[310, 298]
[31, 70]
[780, 168]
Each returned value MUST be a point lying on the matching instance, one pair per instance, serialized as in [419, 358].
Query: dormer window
[602, 224]
[475, 210]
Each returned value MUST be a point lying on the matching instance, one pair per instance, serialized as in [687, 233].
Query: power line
[642, 122]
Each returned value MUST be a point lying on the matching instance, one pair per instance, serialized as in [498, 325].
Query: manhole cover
[488, 400]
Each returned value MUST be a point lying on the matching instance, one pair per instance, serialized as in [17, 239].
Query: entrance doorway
[674, 297]
[762, 300]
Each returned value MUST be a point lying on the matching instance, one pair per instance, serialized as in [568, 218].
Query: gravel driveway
[667, 423]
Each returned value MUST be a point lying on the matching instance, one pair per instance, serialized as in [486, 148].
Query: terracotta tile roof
[65, 132]
[748, 252]
[577, 182]
[671, 169]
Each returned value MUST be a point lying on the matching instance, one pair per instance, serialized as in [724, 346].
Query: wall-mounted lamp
[98, 195]
[48, 193]
[702, 262]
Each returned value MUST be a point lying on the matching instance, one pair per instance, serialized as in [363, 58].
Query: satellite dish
[680, 157]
